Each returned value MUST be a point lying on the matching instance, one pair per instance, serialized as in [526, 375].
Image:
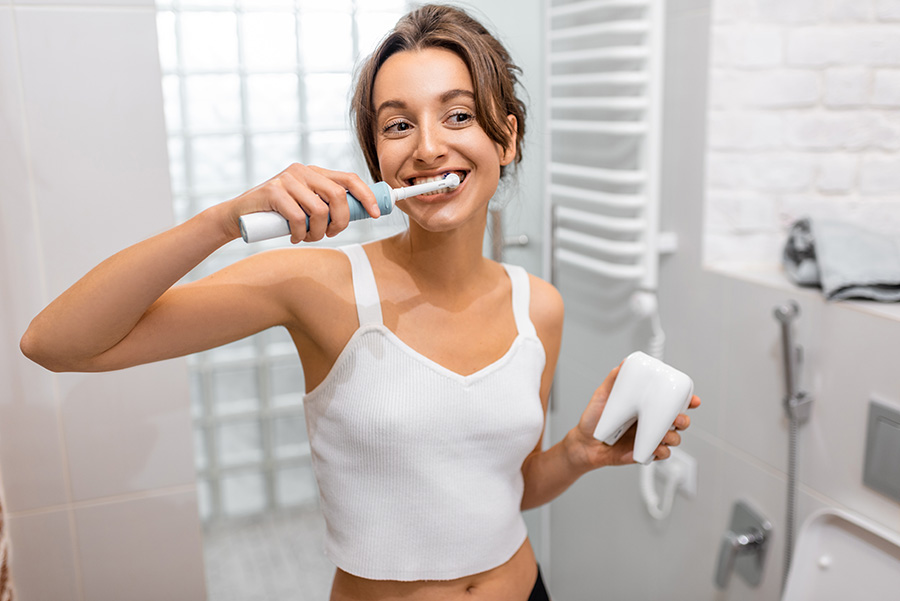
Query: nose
[430, 144]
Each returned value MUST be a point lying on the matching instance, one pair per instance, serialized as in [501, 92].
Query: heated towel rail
[603, 105]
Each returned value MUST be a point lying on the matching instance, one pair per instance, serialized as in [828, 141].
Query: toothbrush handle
[269, 224]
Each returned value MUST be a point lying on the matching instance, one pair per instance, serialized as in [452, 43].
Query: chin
[442, 219]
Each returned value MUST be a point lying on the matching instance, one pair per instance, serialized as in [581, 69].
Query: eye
[461, 117]
[396, 127]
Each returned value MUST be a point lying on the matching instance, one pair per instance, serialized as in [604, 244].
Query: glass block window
[251, 86]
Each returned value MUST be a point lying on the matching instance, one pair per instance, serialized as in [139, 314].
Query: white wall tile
[42, 560]
[145, 549]
[753, 367]
[128, 431]
[30, 449]
[94, 109]
[858, 360]
[695, 340]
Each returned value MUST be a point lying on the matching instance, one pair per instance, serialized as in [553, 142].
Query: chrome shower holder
[797, 403]
[799, 407]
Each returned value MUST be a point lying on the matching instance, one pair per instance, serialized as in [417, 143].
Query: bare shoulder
[547, 308]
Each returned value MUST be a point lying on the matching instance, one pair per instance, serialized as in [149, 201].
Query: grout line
[110, 500]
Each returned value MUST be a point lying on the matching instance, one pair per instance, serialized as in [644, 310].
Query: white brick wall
[804, 119]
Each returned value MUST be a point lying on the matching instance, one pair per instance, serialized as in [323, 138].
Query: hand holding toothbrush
[312, 200]
[271, 224]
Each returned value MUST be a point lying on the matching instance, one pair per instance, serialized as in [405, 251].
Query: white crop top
[419, 467]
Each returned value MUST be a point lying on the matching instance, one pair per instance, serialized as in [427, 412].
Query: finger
[319, 214]
[334, 194]
[278, 196]
[353, 184]
[312, 193]
[695, 402]
[304, 203]
[662, 452]
[682, 422]
[671, 439]
[360, 190]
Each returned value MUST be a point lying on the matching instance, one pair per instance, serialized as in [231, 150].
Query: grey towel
[845, 260]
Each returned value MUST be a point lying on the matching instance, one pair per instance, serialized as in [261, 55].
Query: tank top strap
[521, 299]
[368, 303]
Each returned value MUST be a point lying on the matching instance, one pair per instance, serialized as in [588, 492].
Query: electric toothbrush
[269, 224]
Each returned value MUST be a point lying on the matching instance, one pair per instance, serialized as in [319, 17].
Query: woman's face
[425, 127]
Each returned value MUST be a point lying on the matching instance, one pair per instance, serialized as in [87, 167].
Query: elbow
[35, 349]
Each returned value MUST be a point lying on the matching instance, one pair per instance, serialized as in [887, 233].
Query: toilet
[840, 556]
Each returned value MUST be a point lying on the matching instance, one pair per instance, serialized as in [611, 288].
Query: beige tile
[128, 431]
[145, 549]
[42, 556]
[30, 448]
[94, 110]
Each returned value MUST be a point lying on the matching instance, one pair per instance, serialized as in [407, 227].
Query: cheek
[386, 156]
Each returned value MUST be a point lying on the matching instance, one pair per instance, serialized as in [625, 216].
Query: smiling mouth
[436, 178]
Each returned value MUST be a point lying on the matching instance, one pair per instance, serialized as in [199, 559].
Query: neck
[442, 260]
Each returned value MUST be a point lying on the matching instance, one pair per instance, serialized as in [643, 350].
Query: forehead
[414, 75]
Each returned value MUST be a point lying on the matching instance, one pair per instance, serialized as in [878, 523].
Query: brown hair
[494, 75]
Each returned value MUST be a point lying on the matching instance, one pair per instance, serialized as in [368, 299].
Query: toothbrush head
[450, 181]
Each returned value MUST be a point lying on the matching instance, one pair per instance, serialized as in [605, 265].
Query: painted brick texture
[804, 119]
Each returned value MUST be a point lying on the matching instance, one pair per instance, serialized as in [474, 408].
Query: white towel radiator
[603, 105]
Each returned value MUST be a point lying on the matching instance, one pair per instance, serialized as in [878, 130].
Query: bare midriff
[511, 581]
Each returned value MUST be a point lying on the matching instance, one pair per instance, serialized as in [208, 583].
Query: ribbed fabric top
[419, 467]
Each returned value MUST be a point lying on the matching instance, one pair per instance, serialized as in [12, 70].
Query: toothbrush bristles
[451, 180]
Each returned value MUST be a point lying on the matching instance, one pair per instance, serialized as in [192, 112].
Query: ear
[508, 155]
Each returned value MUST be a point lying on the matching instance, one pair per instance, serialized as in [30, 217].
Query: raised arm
[126, 311]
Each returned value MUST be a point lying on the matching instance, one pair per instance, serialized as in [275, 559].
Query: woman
[427, 366]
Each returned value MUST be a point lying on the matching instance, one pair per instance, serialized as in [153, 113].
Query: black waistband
[539, 592]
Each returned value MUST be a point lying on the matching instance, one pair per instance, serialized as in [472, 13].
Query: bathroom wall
[97, 468]
[803, 120]
[720, 329]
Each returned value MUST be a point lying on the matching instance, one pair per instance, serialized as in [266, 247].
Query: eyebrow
[445, 97]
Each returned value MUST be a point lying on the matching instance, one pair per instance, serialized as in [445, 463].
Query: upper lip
[410, 180]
